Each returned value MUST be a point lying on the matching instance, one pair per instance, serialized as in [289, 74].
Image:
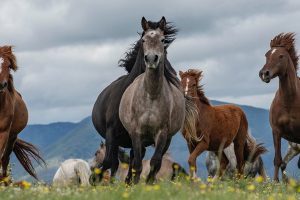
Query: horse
[170, 170]
[217, 128]
[13, 118]
[250, 169]
[282, 62]
[152, 108]
[72, 172]
[105, 114]
[292, 151]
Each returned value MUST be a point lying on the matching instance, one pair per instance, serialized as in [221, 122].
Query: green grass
[184, 189]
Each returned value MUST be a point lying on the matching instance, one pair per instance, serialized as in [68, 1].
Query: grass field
[184, 189]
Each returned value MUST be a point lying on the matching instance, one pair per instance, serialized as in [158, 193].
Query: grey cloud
[68, 50]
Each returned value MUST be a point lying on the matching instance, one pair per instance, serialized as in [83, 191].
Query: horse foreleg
[290, 154]
[4, 135]
[162, 145]
[138, 157]
[277, 158]
[6, 157]
[200, 147]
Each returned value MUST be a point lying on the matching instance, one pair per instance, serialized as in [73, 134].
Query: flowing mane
[7, 51]
[131, 55]
[287, 40]
[200, 90]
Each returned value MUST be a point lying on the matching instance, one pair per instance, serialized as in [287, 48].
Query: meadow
[181, 189]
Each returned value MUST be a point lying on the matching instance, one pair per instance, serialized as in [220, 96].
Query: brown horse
[282, 61]
[217, 127]
[13, 118]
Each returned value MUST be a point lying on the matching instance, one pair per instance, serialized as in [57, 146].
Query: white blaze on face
[1, 62]
[273, 51]
[187, 86]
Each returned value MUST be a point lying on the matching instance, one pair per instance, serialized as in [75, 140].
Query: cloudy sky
[68, 50]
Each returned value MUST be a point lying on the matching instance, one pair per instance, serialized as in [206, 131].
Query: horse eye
[143, 40]
[280, 56]
[163, 40]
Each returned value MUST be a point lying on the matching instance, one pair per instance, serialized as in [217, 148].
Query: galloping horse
[217, 127]
[13, 118]
[282, 61]
[152, 108]
[105, 114]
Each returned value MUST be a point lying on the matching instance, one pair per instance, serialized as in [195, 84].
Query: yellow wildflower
[292, 182]
[202, 186]
[25, 184]
[124, 166]
[125, 195]
[259, 179]
[156, 187]
[251, 187]
[97, 170]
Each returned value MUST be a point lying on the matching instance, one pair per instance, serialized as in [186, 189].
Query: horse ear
[180, 73]
[198, 73]
[145, 24]
[162, 23]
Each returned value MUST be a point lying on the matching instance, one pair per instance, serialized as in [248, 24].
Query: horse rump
[24, 151]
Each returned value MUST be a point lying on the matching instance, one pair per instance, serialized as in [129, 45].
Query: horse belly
[20, 116]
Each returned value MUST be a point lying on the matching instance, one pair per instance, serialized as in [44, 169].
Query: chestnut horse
[282, 62]
[13, 118]
[217, 127]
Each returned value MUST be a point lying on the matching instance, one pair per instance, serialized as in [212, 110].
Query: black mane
[131, 55]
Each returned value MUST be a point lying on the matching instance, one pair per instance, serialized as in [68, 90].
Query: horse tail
[24, 151]
[177, 170]
[191, 116]
[83, 172]
[253, 150]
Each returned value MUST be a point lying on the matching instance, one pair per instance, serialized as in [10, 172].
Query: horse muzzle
[265, 76]
[151, 61]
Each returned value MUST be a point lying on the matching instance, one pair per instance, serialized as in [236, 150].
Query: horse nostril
[267, 73]
[156, 58]
[146, 58]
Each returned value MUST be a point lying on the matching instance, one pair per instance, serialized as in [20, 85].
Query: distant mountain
[60, 141]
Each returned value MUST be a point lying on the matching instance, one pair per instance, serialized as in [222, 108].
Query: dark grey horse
[251, 169]
[152, 109]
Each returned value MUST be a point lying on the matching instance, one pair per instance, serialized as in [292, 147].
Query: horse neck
[288, 84]
[153, 80]
[202, 106]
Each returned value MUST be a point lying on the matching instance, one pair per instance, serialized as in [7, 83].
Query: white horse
[72, 172]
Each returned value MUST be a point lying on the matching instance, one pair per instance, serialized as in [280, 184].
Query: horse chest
[289, 124]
